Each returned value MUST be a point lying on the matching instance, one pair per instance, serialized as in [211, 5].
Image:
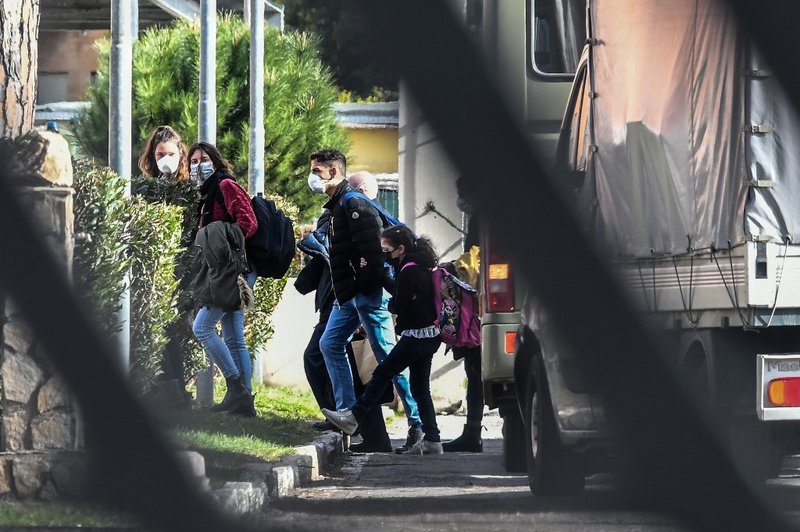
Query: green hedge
[149, 235]
[100, 263]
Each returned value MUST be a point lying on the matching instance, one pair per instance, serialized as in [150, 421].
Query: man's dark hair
[329, 158]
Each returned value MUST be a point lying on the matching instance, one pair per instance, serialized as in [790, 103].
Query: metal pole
[135, 20]
[119, 135]
[207, 132]
[256, 159]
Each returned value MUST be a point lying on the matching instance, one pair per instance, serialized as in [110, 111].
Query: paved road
[464, 492]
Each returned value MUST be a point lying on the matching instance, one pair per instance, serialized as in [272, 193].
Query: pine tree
[298, 98]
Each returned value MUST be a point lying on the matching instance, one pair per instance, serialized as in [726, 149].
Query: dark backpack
[272, 247]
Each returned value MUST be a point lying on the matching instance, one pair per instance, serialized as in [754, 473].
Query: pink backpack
[456, 307]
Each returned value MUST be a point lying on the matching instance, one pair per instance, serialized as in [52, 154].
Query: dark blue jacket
[316, 275]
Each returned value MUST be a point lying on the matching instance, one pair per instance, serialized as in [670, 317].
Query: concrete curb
[259, 483]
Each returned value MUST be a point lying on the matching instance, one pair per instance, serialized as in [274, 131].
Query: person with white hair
[365, 183]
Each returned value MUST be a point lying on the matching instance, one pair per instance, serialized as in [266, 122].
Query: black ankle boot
[243, 403]
[225, 404]
[469, 442]
[233, 395]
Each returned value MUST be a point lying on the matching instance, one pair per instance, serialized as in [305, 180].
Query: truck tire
[719, 367]
[553, 469]
[513, 441]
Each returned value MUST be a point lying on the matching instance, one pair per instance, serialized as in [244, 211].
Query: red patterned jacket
[237, 203]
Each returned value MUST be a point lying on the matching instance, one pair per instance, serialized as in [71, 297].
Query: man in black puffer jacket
[316, 276]
[354, 235]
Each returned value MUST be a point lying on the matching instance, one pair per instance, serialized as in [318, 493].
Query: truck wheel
[513, 441]
[553, 469]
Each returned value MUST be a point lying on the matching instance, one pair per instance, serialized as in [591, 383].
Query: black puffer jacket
[412, 295]
[355, 232]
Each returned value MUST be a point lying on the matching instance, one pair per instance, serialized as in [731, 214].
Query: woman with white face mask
[164, 155]
[223, 200]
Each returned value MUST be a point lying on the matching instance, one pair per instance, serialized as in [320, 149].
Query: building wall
[427, 178]
[374, 150]
[67, 61]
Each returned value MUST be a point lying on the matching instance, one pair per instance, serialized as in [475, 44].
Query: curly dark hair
[147, 159]
[219, 162]
[421, 247]
[330, 157]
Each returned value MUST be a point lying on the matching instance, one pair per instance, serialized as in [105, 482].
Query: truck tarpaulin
[678, 164]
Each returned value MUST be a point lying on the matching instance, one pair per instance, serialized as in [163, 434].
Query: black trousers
[416, 354]
[372, 425]
[472, 367]
[316, 372]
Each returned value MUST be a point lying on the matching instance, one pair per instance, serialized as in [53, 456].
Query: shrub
[185, 196]
[155, 232]
[99, 262]
[115, 236]
[298, 98]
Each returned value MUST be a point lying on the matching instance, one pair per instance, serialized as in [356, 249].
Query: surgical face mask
[168, 164]
[316, 183]
[201, 172]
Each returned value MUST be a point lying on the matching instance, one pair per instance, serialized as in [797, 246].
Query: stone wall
[38, 414]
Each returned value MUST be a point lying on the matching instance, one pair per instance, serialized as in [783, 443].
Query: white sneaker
[343, 419]
[424, 447]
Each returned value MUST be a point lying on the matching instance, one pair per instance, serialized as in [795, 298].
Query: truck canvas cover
[692, 149]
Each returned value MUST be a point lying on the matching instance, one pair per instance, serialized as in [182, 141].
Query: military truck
[680, 150]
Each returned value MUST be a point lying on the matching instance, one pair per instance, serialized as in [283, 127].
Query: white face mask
[316, 183]
[201, 172]
[168, 164]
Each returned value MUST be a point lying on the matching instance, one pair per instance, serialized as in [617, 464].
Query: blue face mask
[201, 172]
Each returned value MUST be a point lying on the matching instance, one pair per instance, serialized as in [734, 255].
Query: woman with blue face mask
[223, 200]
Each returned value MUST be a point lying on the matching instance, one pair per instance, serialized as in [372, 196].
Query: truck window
[557, 30]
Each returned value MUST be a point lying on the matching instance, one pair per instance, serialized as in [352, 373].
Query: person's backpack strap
[407, 264]
[388, 217]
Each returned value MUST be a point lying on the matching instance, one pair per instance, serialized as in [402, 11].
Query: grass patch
[49, 514]
[228, 442]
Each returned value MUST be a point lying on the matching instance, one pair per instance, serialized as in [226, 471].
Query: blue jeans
[231, 355]
[370, 311]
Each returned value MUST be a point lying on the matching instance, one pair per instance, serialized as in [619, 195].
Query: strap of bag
[407, 264]
[388, 217]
